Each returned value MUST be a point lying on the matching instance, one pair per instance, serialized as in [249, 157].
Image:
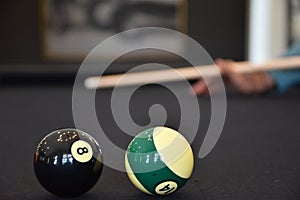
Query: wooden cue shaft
[186, 73]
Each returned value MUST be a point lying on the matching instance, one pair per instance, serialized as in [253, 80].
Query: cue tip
[91, 82]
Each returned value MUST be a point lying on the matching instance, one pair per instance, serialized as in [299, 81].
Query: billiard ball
[159, 161]
[68, 162]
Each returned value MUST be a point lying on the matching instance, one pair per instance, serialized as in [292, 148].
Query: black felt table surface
[256, 157]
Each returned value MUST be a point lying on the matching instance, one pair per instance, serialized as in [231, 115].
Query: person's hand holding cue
[254, 83]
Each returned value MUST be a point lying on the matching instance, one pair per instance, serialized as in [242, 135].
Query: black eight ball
[68, 162]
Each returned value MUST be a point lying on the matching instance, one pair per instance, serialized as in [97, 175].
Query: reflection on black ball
[68, 162]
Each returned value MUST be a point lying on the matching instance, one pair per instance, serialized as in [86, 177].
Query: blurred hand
[254, 83]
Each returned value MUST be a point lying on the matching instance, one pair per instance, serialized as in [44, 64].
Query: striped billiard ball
[159, 161]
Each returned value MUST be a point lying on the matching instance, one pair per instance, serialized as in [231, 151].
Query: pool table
[257, 155]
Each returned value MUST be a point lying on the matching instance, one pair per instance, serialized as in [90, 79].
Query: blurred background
[46, 39]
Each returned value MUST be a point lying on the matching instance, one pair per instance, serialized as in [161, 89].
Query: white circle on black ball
[82, 151]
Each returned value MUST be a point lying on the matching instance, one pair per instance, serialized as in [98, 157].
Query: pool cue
[187, 73]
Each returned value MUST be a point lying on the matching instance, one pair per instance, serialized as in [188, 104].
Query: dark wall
[19, 31]
[217, 25]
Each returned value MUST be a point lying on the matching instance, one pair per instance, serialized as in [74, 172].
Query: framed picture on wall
[70, 29]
